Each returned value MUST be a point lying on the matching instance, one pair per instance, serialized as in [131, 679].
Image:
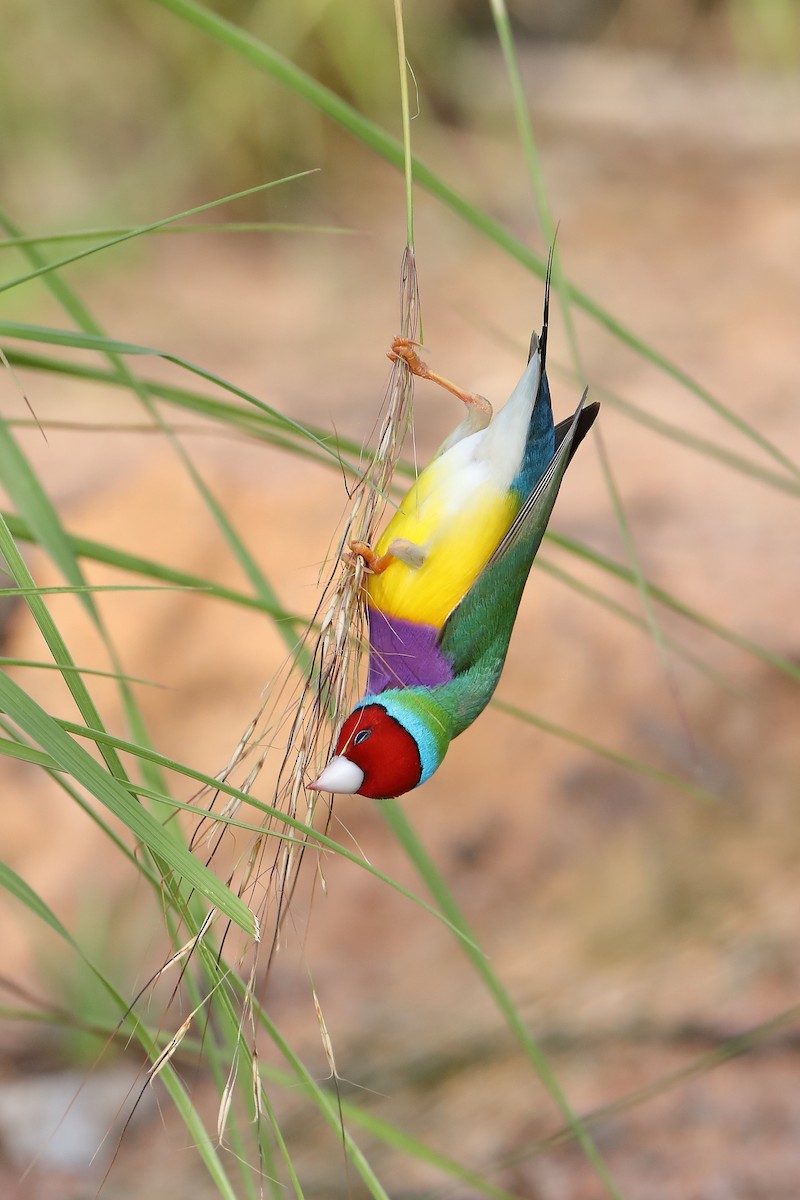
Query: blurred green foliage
[108, 103]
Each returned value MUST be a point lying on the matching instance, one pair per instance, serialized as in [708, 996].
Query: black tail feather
[539, 341]
[585, 422]
[546, 309]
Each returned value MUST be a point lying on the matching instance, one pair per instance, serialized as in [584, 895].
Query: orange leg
[480, 410]
[375, 564]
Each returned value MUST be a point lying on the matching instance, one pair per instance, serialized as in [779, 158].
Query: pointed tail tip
[586, 417]
[539, 340]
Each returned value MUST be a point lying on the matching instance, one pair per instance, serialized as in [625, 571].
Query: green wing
[476, 634]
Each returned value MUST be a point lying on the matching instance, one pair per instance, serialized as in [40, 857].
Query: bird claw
[374, 564]
[401, 549]
[479, 410]
[403, 351]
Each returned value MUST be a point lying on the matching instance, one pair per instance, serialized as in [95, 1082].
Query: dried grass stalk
[300, 715]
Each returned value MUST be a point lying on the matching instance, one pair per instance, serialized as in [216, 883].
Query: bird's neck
[426, 716]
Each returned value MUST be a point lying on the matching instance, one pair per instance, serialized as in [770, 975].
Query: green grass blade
[32, 503]
[46, 732]
[17, 887]
[257, 425]
[595, 596]
[693, 441]
[414, 1148]
[531, 154]
[215, 784]
[28, 754]
[258, 579]
[676, 782]
[56, 543]
[307, 440]
[140, 230]
[77, 797]
[128, 231]
[206, 1146]
[80, 314]
[771, 657]
[93, 588]
[320, 839]
[327, 1105]
[407, 838]
[138, 565]
[71, 338]
[269, 60]
[405, 109]
[38, 665]
[731, 1048]
[110, 346]
[47, 626]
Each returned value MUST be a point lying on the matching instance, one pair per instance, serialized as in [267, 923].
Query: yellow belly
[459, 526]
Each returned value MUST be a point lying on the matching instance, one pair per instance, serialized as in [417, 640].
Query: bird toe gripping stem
[479, 408]
[375, 564]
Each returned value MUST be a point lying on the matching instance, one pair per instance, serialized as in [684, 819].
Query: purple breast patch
[403, 654]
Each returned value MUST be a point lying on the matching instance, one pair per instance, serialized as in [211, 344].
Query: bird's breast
[458, 517]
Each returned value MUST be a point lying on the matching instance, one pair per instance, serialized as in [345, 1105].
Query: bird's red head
[375, 757]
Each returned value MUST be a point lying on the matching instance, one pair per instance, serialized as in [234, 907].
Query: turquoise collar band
[421, 716]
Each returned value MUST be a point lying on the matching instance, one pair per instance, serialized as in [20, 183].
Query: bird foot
[479, 408]
[403, 351]
[407, 552]
[375, 564]
[401, 549]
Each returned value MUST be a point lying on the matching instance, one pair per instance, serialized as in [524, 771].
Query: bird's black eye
[361, 736]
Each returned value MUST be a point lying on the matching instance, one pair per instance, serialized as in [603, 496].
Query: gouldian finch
[446, 579]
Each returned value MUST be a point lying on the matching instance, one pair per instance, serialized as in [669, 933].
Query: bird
[445, 579]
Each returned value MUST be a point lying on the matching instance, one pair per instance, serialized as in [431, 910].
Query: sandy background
[637, 927]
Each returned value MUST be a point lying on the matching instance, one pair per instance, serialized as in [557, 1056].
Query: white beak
[340, 775]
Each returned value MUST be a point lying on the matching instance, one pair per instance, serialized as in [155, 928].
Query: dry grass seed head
[301, 712]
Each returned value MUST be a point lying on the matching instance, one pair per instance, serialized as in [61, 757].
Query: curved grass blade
[112, 557]
[110, 346]
[83, 318]
[109, 555]
[327, 1105]
[214, 783]
[693, 441]
[128, 231]
[771, 657]
[308, 440]
[402, 829]
[47, 532]
[731, 1048]
[632, 618]
[38, 665]
[614, 756]
[421, 1152]
[139, 230]
[112, 790]
[269, 60]
[46, 732]
[531, 154]
[17, 887]
[28, 754]
[69, 302]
